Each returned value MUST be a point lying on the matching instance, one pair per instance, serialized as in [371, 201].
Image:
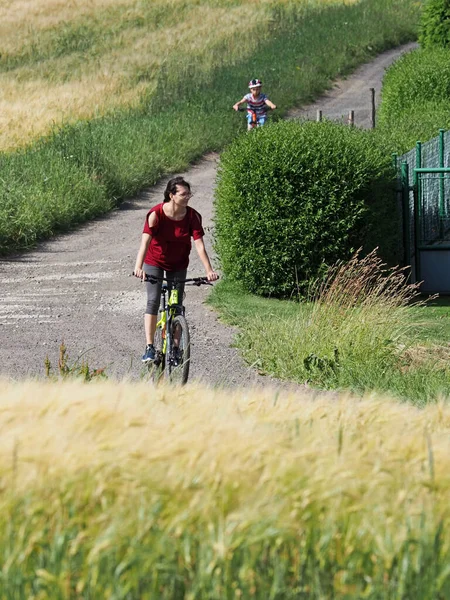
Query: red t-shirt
[170, 245]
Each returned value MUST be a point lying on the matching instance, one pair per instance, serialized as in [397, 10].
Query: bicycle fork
[162, 324]
[171, 339]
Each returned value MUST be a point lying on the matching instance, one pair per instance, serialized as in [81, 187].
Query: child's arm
[236, 106]
[270, 104]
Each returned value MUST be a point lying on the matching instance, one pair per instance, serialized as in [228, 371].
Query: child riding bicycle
[165, 248]
[257, 104]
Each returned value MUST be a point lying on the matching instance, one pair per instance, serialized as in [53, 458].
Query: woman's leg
[153, 301]
[150, 322]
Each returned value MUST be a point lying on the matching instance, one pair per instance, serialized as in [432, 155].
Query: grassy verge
[435, 320]
[86, 168]
[415, 98]
[266, 496]
[381, 343]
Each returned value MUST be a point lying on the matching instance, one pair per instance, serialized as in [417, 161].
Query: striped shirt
[257, 104]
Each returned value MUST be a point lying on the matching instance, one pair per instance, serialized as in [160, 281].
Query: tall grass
[188, 112]
[360, 331]
[122, 491]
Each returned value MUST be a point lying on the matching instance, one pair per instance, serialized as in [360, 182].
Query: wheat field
[230, 476]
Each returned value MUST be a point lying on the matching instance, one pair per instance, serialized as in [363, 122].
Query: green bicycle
[172, 340]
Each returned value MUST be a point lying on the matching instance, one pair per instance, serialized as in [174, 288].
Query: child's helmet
[254, 83]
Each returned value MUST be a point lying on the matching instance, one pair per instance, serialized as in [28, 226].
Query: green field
[175, 112]
[62, 62]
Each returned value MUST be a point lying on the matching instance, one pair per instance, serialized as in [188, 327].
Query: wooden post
[351, 118]
[319, 115]
[372, 95]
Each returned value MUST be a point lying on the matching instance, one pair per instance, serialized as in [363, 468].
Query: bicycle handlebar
[193, 280]
[242, 109]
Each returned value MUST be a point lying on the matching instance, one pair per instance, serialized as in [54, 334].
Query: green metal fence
[424, 175]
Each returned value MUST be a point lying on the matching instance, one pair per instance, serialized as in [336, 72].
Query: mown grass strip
[190, 113]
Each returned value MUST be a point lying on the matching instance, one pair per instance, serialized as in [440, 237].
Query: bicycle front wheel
[180, 354]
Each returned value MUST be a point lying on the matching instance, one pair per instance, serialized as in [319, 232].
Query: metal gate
[426, 215]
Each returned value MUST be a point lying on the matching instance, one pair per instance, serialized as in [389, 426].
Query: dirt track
[78, 287]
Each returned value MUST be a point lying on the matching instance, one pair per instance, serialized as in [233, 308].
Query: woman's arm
[145, 241]
[201, 250]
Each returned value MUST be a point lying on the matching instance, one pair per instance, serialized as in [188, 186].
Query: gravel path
[77, 288]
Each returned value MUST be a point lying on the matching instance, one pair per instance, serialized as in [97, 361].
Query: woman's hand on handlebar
[139, 273]
[212, 276]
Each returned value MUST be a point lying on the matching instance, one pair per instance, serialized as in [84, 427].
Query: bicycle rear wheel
[157, 366]
[180, 355]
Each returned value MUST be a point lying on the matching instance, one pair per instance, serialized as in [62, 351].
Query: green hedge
[435, 24]
[292, 198]
[421, 122]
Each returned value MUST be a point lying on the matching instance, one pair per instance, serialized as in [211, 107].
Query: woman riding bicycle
[165, 248]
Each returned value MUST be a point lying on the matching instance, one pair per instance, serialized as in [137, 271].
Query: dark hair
[171, 187]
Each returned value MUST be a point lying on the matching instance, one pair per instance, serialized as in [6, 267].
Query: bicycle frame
[168, 311]
[254, 121]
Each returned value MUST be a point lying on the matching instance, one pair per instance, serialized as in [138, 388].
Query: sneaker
[149, 354]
